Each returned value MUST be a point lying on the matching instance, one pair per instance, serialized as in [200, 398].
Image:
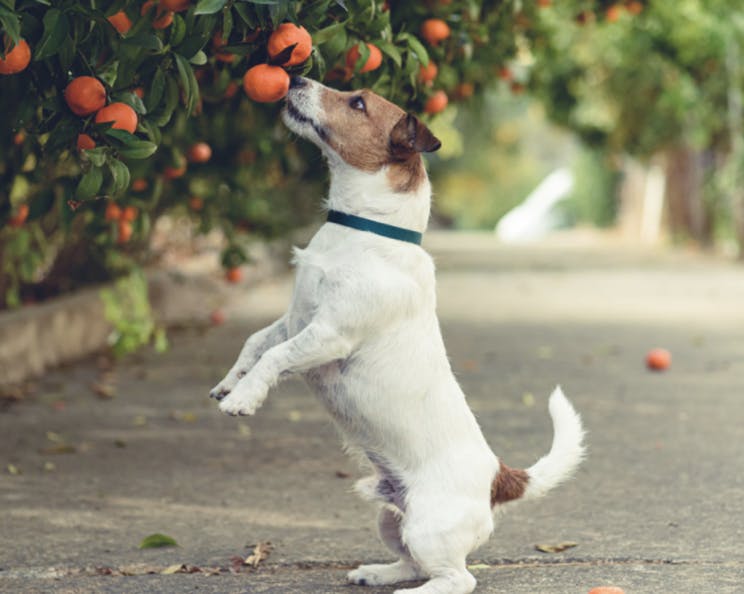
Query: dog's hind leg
[439, 534]
[403, 570]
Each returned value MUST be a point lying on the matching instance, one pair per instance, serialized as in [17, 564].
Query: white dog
[362, 329]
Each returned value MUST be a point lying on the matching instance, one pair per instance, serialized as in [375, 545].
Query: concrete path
[657, 508]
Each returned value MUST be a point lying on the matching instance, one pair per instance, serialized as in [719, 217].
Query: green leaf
[417, 48]
[141, 149]
[97, 155]
[56, 29]
[324, 35]
[392, 51]
[89, 184]
[157, 540]
[209, 6]
[188, 82]
[199, 58]
[10, 24]
[155, 92]
[163, 116]
[147, 41]
[177, 30]
[120, 175]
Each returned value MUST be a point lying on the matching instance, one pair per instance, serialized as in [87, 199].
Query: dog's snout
[297, 82]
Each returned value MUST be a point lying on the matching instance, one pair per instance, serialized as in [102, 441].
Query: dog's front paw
[245, 398]
[226, 385]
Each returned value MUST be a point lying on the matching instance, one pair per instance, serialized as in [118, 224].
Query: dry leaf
[103, 390]
[171, 569]
[294, 416]
[556, 548]
[184, 417]
[13, 470]
[260, 553]
[61, 448]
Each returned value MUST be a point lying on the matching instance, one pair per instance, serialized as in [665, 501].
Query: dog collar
[391, 231]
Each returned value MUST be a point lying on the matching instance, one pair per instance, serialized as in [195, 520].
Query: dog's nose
[296, 82]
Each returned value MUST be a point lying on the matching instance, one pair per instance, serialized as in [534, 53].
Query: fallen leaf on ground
[244, 430]
[13, 470]
[260, 553]
[184, 417]
[171, 569]
[61, 448]
[556, 548]
[49, 467]
[157, 540]
[103, 390]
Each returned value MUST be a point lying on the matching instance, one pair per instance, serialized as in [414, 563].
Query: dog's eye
[357, 103]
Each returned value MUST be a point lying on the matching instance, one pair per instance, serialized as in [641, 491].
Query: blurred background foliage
[530, 85]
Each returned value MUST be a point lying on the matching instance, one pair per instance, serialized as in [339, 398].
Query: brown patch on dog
[380, 135]
[509, 484]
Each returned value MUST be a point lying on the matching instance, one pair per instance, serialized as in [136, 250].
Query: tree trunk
[686, 209]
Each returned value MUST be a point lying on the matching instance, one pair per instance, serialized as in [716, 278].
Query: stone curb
[39, 337]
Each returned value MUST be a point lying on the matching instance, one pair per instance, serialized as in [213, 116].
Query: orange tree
[115, 112]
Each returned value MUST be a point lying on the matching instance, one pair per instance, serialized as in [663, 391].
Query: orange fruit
[140, 92]
[85, 142]
[231, 89]
[517, 88]
[124, 231]
[19, 137]
[85, 95]
[196, 203]
[505, 73]
[234, 275]
[162, 17]
[113, 212]
[613, 13]
[436, 103]
[200, 152]
[129, 213]
[373, 61]
[288, 34]
[634, 7]
[120, 22]
[19, 217]
[428, 73]
[174, 172]
[266, 84]
[15, 59]
[217, 43]
[175, 5]
[607, 590]
[139, 185]
[464, 90]
[658, 359]
[123, 117]
[544, 3]
[434, 31]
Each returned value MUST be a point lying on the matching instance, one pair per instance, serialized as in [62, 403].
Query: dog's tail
[558, 465]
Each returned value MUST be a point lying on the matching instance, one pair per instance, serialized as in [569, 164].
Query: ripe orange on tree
[140, 92]
[16, 59]
[428, 73]
[129, 213]
[435, 31]
[266, 84]
[217, 43]
[234, 274]
[171, 172]
[373, 61]
[288, 34]
[123, 117]
[436, 103]
[120, 22]
[464, 90]
[19, 217]
[139, 185]
[175, 5]
[612, 14]
[199, 152]
[85, 142]
[124, 231]
[634, 7]
[19, 137]
[162, 18]
[196, 203]
[112, 212]
[85, 95]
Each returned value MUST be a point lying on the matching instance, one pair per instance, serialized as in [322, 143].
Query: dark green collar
[391, 231]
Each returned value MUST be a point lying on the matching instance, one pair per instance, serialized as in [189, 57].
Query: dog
[363, 331]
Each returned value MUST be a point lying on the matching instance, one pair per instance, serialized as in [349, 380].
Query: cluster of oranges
[434, 31]
[86, 95]
[162, 17]
[123, 217]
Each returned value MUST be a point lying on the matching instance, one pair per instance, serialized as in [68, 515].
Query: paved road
[657, 507]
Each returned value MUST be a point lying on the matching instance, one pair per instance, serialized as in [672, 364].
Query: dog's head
[361, 129]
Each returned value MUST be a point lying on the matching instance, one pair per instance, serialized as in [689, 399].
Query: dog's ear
[410, 136]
